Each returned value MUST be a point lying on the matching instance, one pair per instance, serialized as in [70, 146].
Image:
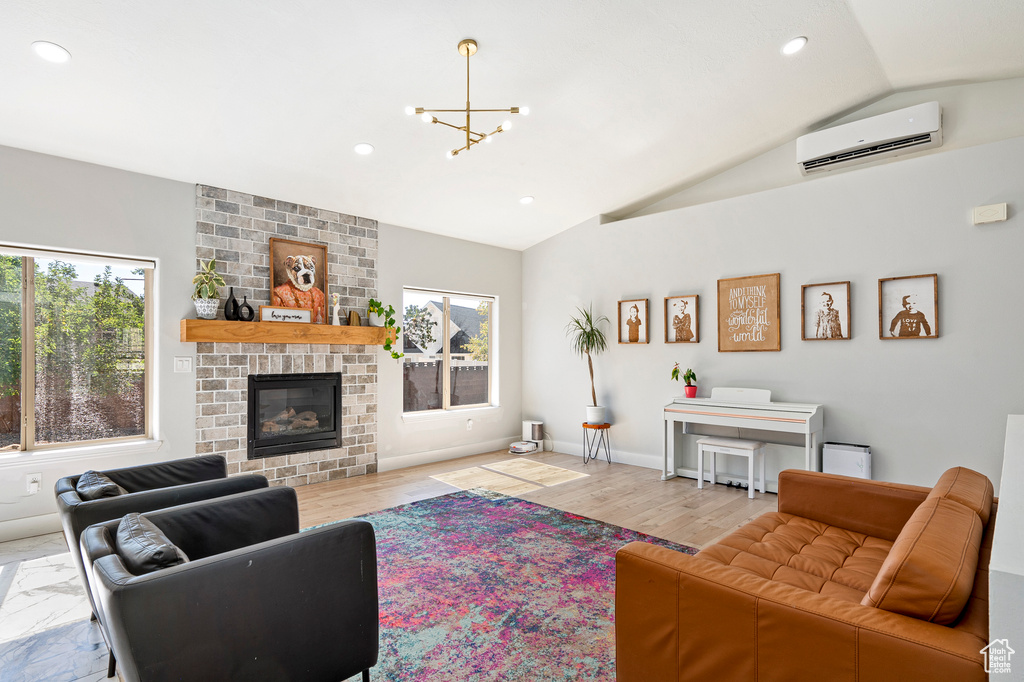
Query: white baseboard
[618, 456]
[16, 529]
[430, 456]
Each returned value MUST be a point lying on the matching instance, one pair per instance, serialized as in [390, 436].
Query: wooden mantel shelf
[222, 331]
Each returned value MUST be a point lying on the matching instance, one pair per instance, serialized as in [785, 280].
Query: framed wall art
[634, 324]
[825, 312]
[908, 307]
[298, 277]
[748, 314]
[682, 319]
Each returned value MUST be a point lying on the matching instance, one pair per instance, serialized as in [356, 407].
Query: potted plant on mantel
[206, 296]
[587, 339]
[689, 377]
[381, 316]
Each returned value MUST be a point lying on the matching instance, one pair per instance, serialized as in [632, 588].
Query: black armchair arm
[303, 606]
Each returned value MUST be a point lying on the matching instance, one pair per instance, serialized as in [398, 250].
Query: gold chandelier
[467, 48]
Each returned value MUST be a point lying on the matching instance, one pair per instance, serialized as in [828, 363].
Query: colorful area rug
[479, 586]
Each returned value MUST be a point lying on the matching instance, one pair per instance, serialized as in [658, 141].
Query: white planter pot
[375, 320]
[206, 308]
[595, 415]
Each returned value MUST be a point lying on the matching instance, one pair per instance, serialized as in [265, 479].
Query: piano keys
[748, 410]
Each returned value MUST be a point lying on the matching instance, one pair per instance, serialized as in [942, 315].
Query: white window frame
[447, 409]
[28, 359]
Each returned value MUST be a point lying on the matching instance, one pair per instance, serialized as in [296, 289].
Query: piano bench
[750, 449]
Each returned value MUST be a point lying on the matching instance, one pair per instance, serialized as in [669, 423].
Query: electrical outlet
[33, 483]
[469, 424]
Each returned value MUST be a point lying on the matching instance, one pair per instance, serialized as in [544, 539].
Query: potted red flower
[689, 377]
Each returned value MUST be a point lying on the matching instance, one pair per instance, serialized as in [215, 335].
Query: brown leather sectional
[850, 581]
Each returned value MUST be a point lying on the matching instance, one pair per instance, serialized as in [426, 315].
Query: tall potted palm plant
[587, 339]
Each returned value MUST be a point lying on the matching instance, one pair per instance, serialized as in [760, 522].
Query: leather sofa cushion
[803, 553]
[92, 485]
[929, 574]
[969, 488]
[143, 547]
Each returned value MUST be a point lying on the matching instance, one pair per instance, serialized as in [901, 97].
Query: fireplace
[293, 413]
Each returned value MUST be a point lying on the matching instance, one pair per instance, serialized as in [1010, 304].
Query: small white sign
[276, 314]
[993, 213]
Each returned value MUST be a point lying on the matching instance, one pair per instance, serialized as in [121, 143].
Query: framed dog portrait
[682, 319]
[298, 277]
[908, 307]
[633, 321]
[825, 312]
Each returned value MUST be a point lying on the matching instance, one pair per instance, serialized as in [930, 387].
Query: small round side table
[594, 436]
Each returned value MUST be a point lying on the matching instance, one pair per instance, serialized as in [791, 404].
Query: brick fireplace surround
[236, 228]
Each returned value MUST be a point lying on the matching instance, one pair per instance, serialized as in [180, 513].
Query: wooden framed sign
[271, 313]
[748, 314]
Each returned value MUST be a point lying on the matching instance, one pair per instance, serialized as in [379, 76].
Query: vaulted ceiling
[629, 100]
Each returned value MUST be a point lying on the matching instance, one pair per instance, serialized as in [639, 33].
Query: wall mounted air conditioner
[897, 132]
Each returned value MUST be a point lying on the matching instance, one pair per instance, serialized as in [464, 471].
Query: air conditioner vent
[898, 132]
[868, 151]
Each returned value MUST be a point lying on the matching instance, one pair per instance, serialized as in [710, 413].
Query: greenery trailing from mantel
[388, 313]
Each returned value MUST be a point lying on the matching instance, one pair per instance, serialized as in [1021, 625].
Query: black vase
[231, 306]
[245, 313]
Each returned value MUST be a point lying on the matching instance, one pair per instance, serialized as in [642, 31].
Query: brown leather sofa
[850, 581]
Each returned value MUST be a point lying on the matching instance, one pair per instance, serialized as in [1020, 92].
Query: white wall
[923, 406]
[972, 114]
[1006, 569]
[418, 259]
[64, 204]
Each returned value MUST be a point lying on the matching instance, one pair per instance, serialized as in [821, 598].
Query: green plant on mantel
[207, 281]
[388, 314]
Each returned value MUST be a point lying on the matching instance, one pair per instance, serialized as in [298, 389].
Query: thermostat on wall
[993, 213]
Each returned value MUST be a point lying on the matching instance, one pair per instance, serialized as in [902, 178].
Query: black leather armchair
[257, 600]
[149, 487]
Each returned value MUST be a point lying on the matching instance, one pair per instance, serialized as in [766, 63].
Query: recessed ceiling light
[795, 45]
[51, 52]
[363, 148]
[526, 200]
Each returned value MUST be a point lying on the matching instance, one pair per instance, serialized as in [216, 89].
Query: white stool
[731, 446]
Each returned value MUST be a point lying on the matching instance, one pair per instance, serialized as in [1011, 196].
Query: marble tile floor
[45, 631]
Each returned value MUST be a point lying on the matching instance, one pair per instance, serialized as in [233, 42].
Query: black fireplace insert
[293, 413]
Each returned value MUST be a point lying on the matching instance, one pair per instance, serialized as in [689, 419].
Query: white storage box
[846, 459]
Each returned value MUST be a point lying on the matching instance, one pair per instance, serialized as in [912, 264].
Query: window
[450, 369]
[74, 347]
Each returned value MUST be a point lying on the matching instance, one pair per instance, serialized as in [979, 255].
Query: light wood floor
[628, 496]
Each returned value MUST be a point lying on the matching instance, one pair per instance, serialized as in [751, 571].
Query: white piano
[752, 414]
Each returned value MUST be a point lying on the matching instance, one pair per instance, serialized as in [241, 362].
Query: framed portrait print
[825, 312]
[908, 307]
[748, 314]
[634, 324]
[682, 315]
[298, 277]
